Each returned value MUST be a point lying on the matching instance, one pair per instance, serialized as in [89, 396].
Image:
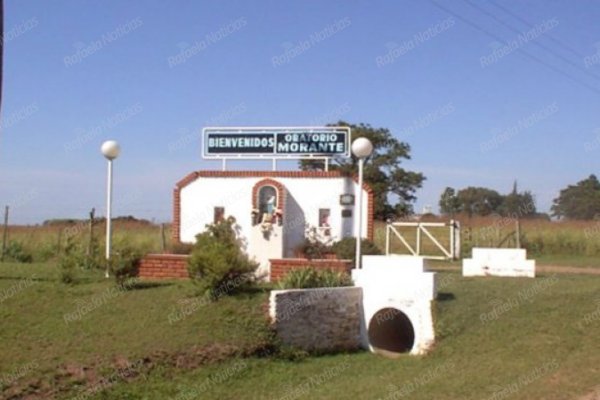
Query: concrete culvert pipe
[390, 332]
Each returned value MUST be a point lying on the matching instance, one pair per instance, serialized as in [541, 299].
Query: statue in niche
[267, 213]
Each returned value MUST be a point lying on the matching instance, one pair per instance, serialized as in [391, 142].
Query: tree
[483, 201]
[217, 263]
[479, 200]
[382, 170]
[518, 205]
[449, 203]
[580, 201]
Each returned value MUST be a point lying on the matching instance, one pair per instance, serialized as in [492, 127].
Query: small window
[346, 213]
[219, 215]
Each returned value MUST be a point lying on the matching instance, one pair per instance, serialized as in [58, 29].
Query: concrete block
[499, 262]
[397, 297]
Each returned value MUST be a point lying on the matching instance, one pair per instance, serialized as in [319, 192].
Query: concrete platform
[499, 262]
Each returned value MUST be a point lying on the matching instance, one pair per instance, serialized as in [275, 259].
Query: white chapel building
[273, 210]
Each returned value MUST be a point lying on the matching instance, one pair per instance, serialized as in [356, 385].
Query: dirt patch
[548, 269]
[593, 395]
[84, 381]
[559, 269]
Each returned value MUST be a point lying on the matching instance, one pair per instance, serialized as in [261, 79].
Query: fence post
[91, 232]
[4, 233]
[518, 233]
[163, 244]
[452, 239]
[387, 240]
[419, 239]
[58, 241]
[457, 240]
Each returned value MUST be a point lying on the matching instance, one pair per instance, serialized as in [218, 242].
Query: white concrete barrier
[499, 262]
[397, 297]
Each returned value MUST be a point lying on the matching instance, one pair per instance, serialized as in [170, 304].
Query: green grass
[544, 325]
[121, 324]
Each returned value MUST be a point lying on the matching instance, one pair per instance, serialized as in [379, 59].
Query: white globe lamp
[111, 150]
[361, 148]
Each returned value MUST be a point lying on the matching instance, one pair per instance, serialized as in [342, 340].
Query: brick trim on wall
[191, 177]
[163, 266]
[282, 266]
[269, 182]
[174, 266]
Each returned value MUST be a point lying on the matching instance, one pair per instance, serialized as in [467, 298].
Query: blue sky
[151, 74]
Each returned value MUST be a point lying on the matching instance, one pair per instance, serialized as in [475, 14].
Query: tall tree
[382, 170]
[449, 203]
[580, 201]
[479, 200]
[518, 205]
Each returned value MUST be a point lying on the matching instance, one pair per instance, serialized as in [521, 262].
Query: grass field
[496, 338]
[574, 243]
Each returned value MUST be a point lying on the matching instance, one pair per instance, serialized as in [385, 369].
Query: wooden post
[58, 240]
[90, 233]
[4, 233]
[163, 244]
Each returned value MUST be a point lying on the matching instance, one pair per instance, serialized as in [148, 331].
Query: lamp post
[361, 148]
[110, 149]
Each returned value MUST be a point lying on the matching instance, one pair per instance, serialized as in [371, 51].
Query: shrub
[75, 256]
[217, 263]
[124, 263]
[68, 262]
[16, 252]
[310, 277]
[313, 249]
[45, 251]
[345, 249]
[181, 248]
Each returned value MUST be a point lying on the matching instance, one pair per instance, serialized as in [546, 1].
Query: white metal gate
[450, 250]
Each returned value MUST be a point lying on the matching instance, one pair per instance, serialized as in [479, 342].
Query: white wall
[304, 198]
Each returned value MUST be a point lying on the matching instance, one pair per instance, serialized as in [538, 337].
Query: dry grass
[576, 240]
[542, 238]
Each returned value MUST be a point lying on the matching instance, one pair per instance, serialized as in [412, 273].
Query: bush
[181, 248]
[310, 277]
[45, 251]
[124, 263]
[345, 249]
[217, 263]
[68, 262]
[313, 249]
[75, 256]
[16, 252]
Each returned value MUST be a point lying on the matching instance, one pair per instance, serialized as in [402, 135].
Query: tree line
[395, 187]
[575, 202]
[482, 201]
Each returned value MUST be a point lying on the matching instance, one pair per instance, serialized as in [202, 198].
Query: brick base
[163, 266]
[280, 267]
[174, 266]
